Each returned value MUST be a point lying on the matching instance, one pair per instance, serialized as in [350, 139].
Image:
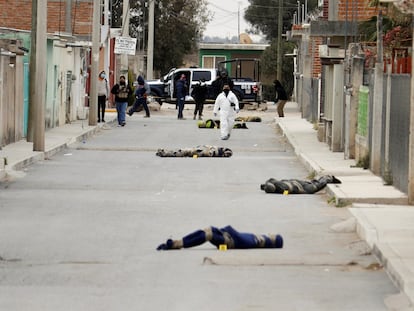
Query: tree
[263, 15]
[179, 25]
[178, 28]
[397, 31]
[394, 18]
[268, 62]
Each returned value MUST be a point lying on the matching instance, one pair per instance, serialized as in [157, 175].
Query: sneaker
[200, 118]
[146, 116]
[123, 124]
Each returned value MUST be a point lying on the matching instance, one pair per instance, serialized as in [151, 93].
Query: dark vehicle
[245, 73]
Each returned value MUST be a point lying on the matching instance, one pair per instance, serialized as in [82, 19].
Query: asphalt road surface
[79, 231]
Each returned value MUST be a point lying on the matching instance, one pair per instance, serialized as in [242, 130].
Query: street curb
[389, 259]
[341, 197]
[304, 159]
[2, 168]
[37, 156]
[396, 268]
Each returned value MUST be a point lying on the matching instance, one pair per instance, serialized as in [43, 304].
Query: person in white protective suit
[228, 105]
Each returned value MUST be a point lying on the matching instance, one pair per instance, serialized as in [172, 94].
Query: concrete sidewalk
[382, 217]
[16, 156]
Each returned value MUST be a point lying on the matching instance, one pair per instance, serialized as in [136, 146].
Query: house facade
[360, 104]
[211, 54]
[69, 29]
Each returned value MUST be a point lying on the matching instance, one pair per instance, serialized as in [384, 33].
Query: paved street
[78, 231]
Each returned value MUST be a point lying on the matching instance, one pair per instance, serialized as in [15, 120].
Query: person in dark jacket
[122, 91]
[281, 97]
[182, 91]
[297, 186]
[199, 94]
[222, 79]
[228, 236]
[141, 93]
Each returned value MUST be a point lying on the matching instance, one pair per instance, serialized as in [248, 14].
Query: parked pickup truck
[163, 90]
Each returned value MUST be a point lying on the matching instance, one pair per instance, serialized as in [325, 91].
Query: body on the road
[224, 236]
[298, 186]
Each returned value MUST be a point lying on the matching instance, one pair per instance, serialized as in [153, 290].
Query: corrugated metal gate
[399, 130]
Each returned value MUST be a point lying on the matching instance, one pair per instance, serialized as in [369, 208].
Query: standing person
[228, 105]
[222, 78]
[281, 97]
[199, 94]
[227, 236]
[122, 91]
[141, 94]
[182, 91]
[103, 92]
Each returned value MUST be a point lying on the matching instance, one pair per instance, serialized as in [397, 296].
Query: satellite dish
[245, 38]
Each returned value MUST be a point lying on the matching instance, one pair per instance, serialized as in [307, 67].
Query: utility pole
[125, 33]
[377, 110]
[107, 40]
[37, 92]
[150, 48]
[279, 41]
[238, 22]
[93, 98]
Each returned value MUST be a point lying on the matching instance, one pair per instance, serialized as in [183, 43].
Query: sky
[225, 21]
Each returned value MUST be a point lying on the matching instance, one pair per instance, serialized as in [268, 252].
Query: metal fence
[399, 131]
[396, 135]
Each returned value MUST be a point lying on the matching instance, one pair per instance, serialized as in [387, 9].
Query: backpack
[123, 92]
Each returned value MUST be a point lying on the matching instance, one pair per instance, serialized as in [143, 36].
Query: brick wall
[314, 51]
[357, 9]
[19, 15]
[325, 10]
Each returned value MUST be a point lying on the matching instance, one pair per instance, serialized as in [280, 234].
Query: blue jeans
[180, 103]
[140, 101]
[121, 110]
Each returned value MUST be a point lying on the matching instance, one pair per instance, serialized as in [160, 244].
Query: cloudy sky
[225, 20]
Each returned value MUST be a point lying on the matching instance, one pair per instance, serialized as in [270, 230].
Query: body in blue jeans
[121, 111]
[228, 236]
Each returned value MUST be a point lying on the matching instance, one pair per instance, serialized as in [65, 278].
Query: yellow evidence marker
[222, 247]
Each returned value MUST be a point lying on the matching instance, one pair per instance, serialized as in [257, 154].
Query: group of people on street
[122, 92]
[226, 103]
